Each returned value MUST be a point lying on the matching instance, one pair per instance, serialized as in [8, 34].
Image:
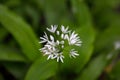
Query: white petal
[58, 59]
[62, 46]
[42, 41]
[62, 35]
[58, 42]
[52, 38]
[66, 36]
[58, 33]
[61, 59]
[49, 57]
[45, 35]
[52, 29]
[62, 28]
[73, 53]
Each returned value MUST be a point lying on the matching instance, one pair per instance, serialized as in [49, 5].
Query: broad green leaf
[21, 31]
[9, 54]
[108, 37]
[105, 18]
[81, 13]
[41, 69]
[94, 68]
[87, 36]
[54, 11]
[115, 73]
[3, 33]
[104, 4]
[34, 15]
[13, 3]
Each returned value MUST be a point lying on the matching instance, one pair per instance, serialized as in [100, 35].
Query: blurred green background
[22, 22]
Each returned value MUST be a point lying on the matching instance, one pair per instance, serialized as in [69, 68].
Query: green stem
[59, 68]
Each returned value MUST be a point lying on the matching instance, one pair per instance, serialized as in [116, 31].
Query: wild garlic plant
[57, 40]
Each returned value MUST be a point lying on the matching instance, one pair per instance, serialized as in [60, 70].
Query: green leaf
[9, 54]
[107, 18]
[41, 69]
[104, 4]
[94, 68]
[21, 31]
[115, 73]
[87, 36]
[53, 10]
[3, 33]
[34, 15]
[108, 37]
[81, 13]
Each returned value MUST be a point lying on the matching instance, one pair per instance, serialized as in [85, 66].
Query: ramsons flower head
[57, 40]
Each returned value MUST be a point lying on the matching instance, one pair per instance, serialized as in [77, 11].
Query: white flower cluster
[57, 40]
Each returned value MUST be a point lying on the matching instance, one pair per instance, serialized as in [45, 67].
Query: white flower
[55, 43]
[74, 39]
[73, 53]
[53, 28]
[66, 37]
[64, 30]
[44, 38]
[59, 57]
[50, 56]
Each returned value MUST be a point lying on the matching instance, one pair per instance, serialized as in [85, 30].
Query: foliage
[22, 22]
